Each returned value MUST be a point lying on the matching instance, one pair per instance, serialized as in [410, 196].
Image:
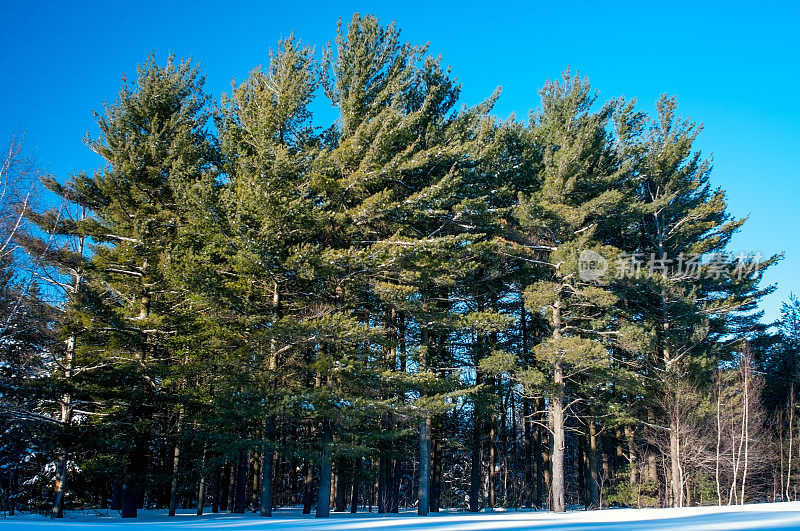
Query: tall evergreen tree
[156, 148]
[688, 292]
[267, 143]
[394, 184]
[564, 219]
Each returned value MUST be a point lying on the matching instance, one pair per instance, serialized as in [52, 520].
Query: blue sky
[735, 67]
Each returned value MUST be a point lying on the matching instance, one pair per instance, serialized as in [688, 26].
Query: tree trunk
[383, 485]
[424, 482]
[791, 434]
[355, 492]
[294, 495]
[557, 419]
[240, 491]
[436, 467]
[545, 480]
[424, 465]
[201, 487]
[67, 362]
[652, 462]
[675, 467]
[719, 438]
[130, 500]
[324, 493]
[254, 470]
[528, 450]
[269, 429]
[504, 446]
[557, 414]
[492, 462]
[394, 487]
[619, 458]
[223, 487]
[308, 487]
[342, 477]
[268, 458]
[746, 375]
[334, 481]
[541, 455]
[176, 459]
[13, 491]
[593, 478]
[633, 462]
[582, 467]
[528, 463]
[475, 475]
[60, 485]
[116, 496]
[216, 480]
[132, 489]
[66, 420]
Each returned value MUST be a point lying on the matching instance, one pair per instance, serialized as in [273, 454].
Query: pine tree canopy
[418, 304]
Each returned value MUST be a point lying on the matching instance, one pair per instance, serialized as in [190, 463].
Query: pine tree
[60, 262]
[687, 292]
[563, 220]
[269, 216]
[156, 150]
[394, 186]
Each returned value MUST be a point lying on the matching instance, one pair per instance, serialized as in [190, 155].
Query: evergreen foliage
[417, 305]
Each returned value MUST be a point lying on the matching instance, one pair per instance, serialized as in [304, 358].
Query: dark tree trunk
[215, 489]
[132, 489]
[222, 487]
[240, 491]
[130, 500]
[593, 479]
[632, 459]
[355, 493]
[266, 467]
[383, 485]
[424, 481]
[492, 462]
[60, 485]
[104, 495]
[10, 492]
[340, 503]
[231, 492]
[116, 496]
[424, 466]
[253, 481]
[294, 495]
[530, 486]
[475, 475]
[582, 467]
[436, 467]
[324, 495]
[176, 459]
[201, 486]
[394, 490]
[308, 487]
[547, 477]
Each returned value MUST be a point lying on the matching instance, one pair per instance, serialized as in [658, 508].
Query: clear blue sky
[734, 66]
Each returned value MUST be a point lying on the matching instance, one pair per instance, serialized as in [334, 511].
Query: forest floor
[741, 517]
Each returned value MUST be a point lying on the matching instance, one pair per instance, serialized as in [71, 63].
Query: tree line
[418, 305]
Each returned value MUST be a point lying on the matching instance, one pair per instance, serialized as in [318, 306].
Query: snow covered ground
[746, 517]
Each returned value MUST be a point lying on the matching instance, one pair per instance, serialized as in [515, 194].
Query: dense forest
[418, 305]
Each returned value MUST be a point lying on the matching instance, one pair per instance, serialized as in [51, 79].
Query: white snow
[741, 517]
